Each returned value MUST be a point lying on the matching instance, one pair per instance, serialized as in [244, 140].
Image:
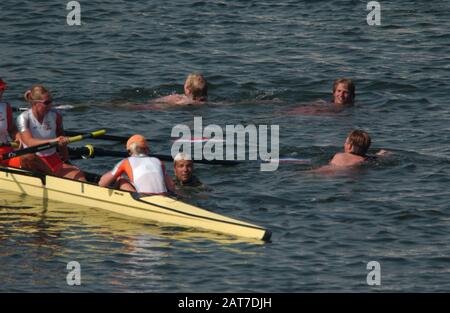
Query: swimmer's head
[183, 167]
[196, 86]
[358, 142]
[343, 92]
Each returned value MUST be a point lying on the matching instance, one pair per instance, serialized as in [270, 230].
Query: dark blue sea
[263, 60]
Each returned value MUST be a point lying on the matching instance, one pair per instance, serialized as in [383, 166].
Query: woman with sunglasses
[42, 124]
[7, 128]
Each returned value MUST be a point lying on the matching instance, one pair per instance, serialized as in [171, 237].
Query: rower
[7, 128]
[145, 174]
[39, 125]
[183, 168]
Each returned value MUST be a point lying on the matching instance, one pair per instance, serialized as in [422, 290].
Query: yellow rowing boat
[160, 209]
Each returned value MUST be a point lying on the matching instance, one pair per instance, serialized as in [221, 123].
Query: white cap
[181, 156]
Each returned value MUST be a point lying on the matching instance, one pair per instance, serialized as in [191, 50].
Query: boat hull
[158, 209]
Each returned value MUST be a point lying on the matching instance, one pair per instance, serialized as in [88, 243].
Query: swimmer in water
[183, 168]
[355, 153]
[355, 149]
[343, 93]
[195, 92]
[343, 97]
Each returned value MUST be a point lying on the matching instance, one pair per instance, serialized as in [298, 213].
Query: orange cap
[139, 140]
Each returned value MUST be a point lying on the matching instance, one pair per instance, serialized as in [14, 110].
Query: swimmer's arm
[168, 180]
[383, 152]
[172, 99]
[175, 99]
[169, 183]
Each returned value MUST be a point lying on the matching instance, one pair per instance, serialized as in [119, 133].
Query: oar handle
[10, 144]
[49, 145]
[59, 107]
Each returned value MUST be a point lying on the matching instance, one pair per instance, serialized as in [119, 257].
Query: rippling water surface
[262, 60]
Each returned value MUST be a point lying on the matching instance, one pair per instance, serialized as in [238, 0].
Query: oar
[49, 145]
[59, 107]
[89, 151]
[123, 139]
[101, 137]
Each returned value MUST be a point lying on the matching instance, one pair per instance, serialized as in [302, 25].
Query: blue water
[262, 59]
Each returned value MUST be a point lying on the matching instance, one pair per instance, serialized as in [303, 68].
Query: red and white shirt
[44, 130]
[145, 173]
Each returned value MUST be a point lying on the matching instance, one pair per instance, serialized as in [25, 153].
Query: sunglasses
[45, 102]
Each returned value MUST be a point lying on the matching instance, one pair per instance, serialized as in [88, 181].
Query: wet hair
[135, 149]
[198, 85]
[360, 141]
[348, 82]
[35, 93]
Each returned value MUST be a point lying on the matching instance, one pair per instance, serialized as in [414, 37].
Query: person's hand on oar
[33, 162]
[61, 140]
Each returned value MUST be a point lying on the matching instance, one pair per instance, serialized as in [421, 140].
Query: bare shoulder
[172, 99]
[346, 159]
[338, 158]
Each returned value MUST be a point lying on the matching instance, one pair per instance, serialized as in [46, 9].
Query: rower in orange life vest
[146, 174]
[7, 127]
[39, 125]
